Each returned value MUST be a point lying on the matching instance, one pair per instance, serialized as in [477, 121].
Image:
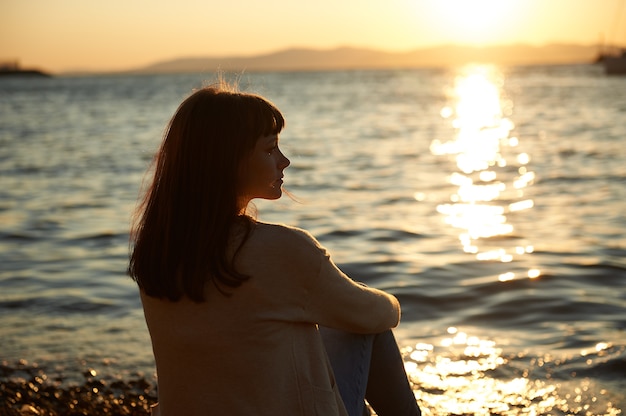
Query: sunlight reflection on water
[462, 375]
[492, 175]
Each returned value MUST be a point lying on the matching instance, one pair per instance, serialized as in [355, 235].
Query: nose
[284, 162]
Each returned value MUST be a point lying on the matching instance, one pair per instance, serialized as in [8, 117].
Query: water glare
[463, 374]
[491, 174]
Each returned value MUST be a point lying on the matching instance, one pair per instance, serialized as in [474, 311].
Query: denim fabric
[349, 355]
[370, 367]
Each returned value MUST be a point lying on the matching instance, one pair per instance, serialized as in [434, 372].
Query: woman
[233, 304]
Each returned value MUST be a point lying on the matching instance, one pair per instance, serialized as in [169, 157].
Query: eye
[272, 149]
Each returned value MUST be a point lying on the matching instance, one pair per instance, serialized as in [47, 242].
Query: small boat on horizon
[615, 64]
[613, 56]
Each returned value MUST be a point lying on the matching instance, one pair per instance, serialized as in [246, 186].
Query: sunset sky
[60, 35]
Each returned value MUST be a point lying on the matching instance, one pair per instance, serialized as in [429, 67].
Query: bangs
[266, 119]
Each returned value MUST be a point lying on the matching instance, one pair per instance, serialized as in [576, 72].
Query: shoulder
[291, 241]
[283, 235]
[281, 249]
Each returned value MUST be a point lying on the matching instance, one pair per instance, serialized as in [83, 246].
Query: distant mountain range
[300, 59]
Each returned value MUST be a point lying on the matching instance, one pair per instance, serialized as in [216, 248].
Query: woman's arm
[307, 286]
[336, 301]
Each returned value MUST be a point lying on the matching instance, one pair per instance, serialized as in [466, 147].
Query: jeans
[370, 367]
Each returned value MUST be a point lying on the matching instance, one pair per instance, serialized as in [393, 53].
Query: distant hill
[13, 69]
[298, 59]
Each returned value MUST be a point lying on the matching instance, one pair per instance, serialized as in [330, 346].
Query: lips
[278, 182]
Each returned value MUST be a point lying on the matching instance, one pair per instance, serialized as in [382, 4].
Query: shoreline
[31, 389]
[24, 73]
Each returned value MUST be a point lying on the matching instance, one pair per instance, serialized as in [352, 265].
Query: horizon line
[243, 56]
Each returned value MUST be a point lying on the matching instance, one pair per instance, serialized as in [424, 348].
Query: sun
[475, 21]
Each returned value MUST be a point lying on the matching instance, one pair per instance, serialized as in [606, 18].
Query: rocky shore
[29, 389]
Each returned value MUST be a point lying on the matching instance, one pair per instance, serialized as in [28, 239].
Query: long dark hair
[183, 227]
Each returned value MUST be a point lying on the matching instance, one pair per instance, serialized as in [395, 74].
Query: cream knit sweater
[258, 352]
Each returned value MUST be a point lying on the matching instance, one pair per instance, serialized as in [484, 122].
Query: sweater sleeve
[336, 301]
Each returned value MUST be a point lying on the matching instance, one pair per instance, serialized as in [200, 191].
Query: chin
[272, 195]
[276, 196]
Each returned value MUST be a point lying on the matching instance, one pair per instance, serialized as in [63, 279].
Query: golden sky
[59, 35]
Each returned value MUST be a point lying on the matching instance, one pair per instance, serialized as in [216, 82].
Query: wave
[59, 305]
[371, 234]
[604, 179]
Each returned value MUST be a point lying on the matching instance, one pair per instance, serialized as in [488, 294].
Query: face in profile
[262, 172]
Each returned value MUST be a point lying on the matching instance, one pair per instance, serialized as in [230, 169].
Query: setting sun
[477, 21]
[70, 35]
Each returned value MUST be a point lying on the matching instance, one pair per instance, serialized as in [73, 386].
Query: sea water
[489, 200]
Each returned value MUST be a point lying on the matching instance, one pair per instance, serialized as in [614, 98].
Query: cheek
[262, 166]
[257, 172]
